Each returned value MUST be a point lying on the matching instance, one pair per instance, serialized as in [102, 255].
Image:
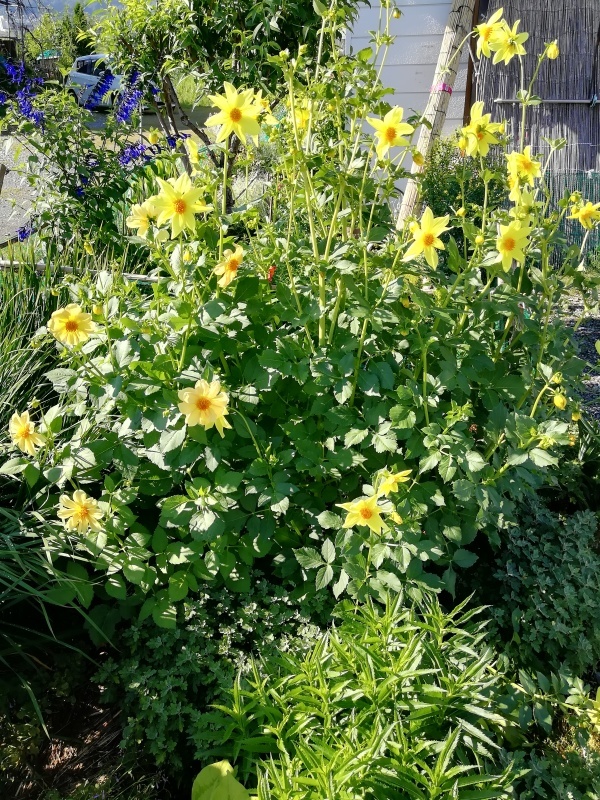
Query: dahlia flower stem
[361, 343]
[224, 198]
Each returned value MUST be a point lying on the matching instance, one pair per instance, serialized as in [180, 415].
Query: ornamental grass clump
[298, 352]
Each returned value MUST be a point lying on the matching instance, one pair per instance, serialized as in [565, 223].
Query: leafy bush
[345, 369]
[549, 573]
[401, 701]
[566, 767]
[165, 681]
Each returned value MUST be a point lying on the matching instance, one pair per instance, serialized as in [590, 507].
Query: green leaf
[328, 551]
[355, 436]
[178, 586]
[475, 461]
[217, 782]
[328, 520]
[464, 558]
[246, 287]
[385, 442]
[165, 615]
[14, 466]
[324, 576]
[171, 440]
[340, 585]
[115, 587]
[541, 458]
[308, 558]
[134, 571]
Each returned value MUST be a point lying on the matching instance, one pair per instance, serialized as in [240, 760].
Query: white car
[86, 73]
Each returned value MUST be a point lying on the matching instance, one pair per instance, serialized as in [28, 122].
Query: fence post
[459, 24]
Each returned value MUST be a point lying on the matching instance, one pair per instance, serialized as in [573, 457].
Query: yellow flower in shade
[480, 132]
[366, 512]
[426, 238]
[507, 42]
[390, 130]
[553, 50]
[141, 216]
[205, 405]
[301, 114]
[71, 326]
[265, 109]
[23, 434]
[153, 136]
[485, 33]
[228, 266]
[511, 243]
[576, 416]
[391, 481]
[238, 114]
[587, 214]
[560, 401]
[177, 203]
[522, 165]
[80, 512]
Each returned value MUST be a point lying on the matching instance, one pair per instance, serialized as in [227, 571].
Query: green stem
[361, 343]
[224, 198]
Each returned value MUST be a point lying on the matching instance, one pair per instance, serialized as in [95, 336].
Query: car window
[82, 66]
[99, 67]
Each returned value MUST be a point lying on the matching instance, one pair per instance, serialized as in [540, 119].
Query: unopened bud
[553, 50]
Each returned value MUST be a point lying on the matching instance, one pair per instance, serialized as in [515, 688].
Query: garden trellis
[568, 86]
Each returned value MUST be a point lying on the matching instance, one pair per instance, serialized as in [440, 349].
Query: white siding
[411, 60]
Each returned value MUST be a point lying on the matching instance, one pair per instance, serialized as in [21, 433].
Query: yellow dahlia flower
[71, 326]
[524, 166]
[553, 50]
[480, 132]
[511, 243]
[507, 42]
[390, 482]
[177, 203]
[238, 114]
[587, 214]
[366, 512]
[228, 266]
[485, 33]
[426, 238]
[205, 405]
[390, 130]
[80, 512]
[141, 216]
[23, 434]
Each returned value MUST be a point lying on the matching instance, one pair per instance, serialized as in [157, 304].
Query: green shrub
[565, 767]
[165, 680]
[394, 702]
[549, 573]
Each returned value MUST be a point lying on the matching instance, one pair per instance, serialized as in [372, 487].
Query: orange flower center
[235, 115]
[428, 239]
[83, 512]
[509, 244]
[585, 213]
[71, 326]
[203, 404]
[390, 134]
[179, 206]
[486, 32]
[233, 265]
[24, 432]
[365, 512]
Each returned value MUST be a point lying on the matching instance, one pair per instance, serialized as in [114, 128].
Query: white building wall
[411, 60]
